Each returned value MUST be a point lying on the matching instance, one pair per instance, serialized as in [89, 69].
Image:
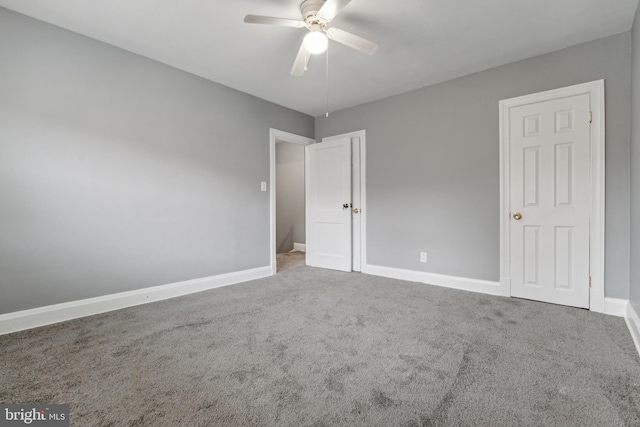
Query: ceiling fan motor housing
[309, 9]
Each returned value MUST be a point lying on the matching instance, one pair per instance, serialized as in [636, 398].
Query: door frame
[595, 90]
[276, 136]
[362, 134]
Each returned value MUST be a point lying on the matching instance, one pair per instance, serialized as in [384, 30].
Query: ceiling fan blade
[300, 64]
[267, 20]
[331, 8]
[351, 40]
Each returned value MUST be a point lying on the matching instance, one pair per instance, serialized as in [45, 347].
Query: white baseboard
[633, 323]
[41, 316]
[462, 283]
[615, 307]
[299, 247]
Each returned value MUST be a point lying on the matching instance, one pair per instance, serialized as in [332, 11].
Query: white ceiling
[421, 42]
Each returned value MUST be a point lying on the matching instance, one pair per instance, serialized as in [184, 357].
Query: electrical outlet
[263, 186]
[423, 257]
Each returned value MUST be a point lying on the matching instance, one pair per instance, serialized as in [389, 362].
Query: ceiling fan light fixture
[316, 16]
[316, 42]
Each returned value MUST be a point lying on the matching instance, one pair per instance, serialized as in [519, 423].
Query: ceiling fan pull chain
[327, 110]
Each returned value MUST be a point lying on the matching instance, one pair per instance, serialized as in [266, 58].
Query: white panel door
[550, 190]
[329, 201]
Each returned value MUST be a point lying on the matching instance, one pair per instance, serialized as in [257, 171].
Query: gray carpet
[312, 347]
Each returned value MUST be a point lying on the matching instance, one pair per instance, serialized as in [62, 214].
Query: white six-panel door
[550, 196]
[328, 175]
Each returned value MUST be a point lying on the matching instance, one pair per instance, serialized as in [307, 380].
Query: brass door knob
[517, 216]
[356, 210]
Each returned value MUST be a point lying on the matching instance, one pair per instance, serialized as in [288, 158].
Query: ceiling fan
[316, 16]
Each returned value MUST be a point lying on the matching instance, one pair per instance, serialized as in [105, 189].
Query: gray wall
[635, 167]
[119, 173]
[289, 196]
[432, 162]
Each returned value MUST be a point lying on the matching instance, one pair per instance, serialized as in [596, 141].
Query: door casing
[276, 135]
[595, 90]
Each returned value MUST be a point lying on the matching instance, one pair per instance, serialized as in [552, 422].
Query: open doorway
[288, 229]
[353, 204]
